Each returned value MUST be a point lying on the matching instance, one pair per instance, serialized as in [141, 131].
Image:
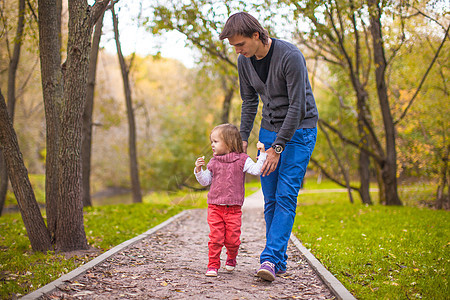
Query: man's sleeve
[250, 101]
[294, 67]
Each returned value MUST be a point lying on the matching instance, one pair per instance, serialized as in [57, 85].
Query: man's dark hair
[244, 24]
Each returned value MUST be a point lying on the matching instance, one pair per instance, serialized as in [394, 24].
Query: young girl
[226, 174]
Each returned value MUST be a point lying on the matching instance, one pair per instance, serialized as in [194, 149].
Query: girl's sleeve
[255, 168]
[203, 177]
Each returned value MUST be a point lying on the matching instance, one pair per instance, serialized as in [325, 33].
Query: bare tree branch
[338, 95]
[403, 38]
[329, 176]
[338, 160]
[366, 74]
[319, 54]
[379, 159]
[424, 77]
[98, 9]
[419, 12]
[27, 79]
[357, 42]
[111, 4]
[32, 11]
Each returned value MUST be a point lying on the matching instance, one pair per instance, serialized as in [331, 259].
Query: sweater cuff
[244, 136]
[280, 142]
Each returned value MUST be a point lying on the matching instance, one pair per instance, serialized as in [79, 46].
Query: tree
[328, 40]
[134, 170]
[52, 90]
[12, 71]
[86, 149]
[423, 132]
[34, 223]
[64, 97]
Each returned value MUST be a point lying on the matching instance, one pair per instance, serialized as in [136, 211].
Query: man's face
[246, 46]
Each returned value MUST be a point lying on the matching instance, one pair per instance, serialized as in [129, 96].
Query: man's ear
[255, 35]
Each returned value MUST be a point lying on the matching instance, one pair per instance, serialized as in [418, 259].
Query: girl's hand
[199, 163]
[260, 147]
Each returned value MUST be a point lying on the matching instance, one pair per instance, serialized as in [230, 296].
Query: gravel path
[171, 263]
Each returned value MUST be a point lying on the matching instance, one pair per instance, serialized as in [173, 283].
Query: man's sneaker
[267, 271]
[230, 265]
[281, 272]
[212, 272]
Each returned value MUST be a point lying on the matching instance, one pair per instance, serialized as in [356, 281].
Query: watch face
[278, 149]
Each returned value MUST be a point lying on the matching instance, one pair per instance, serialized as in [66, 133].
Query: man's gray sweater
[288, 101]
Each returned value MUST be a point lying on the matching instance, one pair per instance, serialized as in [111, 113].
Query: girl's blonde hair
[231, 137]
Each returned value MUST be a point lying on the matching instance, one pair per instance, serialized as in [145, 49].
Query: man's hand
[245, 145]
[271, 162]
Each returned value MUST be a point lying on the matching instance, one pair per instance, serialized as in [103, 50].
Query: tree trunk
[64, 98]
[442, 199]
[364, 160]
[389, 168]
[381, 187]
[229, 92]
[87, 116]
[134, 170]
[13, 64]
[70, 234]
[3, 182]
[340, 164]
[227, 105]
[29, 209]
[52, 89]
[364, 178]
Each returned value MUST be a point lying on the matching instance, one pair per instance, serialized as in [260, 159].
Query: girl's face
[217, 144]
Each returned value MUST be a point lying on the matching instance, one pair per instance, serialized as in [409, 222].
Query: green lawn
[378, 252]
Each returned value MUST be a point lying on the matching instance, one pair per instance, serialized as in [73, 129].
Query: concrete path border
[99, 259]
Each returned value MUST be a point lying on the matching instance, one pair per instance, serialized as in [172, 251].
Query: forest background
[379, 71]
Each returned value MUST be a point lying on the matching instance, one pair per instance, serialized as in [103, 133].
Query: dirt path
[171, 263]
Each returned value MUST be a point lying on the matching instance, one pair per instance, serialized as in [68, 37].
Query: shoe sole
[229, 268]
[211, 275]
[266, 275]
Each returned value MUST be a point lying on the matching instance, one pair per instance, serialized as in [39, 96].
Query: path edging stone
[336, 287]
[50, 287]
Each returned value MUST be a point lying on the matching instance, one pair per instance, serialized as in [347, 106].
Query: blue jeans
[280, 190]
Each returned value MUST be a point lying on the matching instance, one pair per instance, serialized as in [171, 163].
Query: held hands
[271, 162]
[199, 163]
[261, 147]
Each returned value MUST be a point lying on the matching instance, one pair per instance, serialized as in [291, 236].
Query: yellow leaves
[164, 283]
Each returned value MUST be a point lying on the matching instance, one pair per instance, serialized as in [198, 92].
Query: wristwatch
[278, 148]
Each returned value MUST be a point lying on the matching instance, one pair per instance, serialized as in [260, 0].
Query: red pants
[225, 230]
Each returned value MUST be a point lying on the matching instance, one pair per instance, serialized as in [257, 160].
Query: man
[275, 71]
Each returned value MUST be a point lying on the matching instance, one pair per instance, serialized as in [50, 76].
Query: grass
[379, 252]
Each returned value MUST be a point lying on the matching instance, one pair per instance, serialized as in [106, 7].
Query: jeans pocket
[310, 136]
